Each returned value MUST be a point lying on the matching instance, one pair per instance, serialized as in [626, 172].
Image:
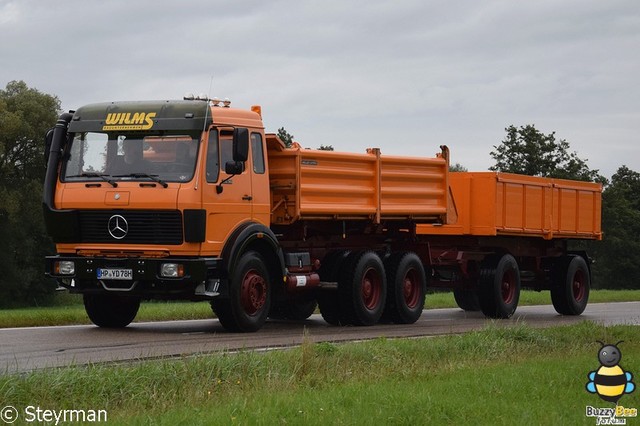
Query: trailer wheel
[570, 287]
[499, 287]
[362, 288]
[249, 300]
[406, 288]
[111, 310]
[328, 300]
[467, 299]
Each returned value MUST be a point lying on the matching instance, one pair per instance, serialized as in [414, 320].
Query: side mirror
[234, 167]
[48, 138]
[240, 144]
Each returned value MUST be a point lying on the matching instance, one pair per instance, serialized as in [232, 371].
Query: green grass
[515, 375]
[69, 309]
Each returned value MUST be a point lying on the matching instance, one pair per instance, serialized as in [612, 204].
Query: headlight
[172, 270]
[64, 267]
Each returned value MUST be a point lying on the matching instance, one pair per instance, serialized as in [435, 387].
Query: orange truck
[192, 200]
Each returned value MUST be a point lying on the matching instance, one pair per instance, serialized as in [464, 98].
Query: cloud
[404, 76]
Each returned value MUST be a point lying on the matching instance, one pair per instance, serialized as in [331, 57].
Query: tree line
[26, 114]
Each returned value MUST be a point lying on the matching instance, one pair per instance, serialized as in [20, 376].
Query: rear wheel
[406, 287]
[328, 300]
[362, 288]
[570, 287]
[467, 299]
[111, 310]
[499, 287]
[249, 300]
[297, 310]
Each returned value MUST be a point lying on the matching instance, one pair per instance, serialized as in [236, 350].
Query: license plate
[115, 274]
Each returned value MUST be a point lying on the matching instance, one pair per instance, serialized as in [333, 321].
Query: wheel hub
[410, 289]
[253, 292]
[370, 289]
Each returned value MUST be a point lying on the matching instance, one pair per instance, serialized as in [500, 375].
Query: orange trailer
[193, 200]
[496, 204]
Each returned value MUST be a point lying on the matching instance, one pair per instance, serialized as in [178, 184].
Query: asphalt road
[24, 349]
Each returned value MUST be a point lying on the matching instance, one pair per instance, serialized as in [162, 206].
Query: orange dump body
[490, 203]
[317, 185]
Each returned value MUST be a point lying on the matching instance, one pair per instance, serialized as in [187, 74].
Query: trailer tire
[406, 288]
[571, 284]
[467, 299]
[249, 300]
[328, 301]
[499, 287]
[362, 288]
[110, 310]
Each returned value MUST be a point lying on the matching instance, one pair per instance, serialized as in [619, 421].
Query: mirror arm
[219, 187]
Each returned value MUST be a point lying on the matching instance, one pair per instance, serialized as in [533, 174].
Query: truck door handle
[247, 198]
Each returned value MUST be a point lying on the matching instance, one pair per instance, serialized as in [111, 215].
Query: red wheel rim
[411, 288]
[253, 294]
[508, 287]
[579, 286]
[371, 288]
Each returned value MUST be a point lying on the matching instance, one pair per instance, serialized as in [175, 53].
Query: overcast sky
[405, 76]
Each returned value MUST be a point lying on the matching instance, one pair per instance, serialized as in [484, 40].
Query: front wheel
[499, 287]
[570, 287]
[111, 310]
[249, 300]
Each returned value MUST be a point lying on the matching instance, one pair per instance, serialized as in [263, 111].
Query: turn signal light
[172, 270]
[64, 267]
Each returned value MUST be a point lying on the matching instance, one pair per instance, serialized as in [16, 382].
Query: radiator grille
[142, 227]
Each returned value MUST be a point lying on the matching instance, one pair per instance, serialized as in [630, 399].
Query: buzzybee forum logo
[610, 382]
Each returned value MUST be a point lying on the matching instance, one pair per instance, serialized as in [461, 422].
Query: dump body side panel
[325, 185]
[492, 204]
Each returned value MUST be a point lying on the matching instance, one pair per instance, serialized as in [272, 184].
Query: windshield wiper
[102, 176]
[154, 178]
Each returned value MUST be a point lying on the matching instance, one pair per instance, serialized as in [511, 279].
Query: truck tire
[249, 300]
[297, 310]
[362, 288]
[467, 299]
[499, 287]
[328, 301]
[570, 286]
[111, 310]
[406, 288]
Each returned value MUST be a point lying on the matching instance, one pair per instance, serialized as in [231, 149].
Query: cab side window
[226, 151]
[213, 163]
[257, 155]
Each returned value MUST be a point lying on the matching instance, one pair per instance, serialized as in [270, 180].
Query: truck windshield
[122, 156]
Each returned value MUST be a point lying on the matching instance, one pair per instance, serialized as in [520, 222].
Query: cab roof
[159, 115]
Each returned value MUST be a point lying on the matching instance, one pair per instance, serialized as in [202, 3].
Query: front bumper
[201, 279]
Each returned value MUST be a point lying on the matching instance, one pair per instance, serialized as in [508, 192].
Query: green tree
[528, 151]
[25, 116]
[457, 168]
[618, 254]
[285, 137]
[326, 148]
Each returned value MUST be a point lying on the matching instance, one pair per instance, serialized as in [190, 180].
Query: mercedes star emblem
[118, 227]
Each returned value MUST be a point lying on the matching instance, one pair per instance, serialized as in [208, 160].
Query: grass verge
[70, 310]
[515, 375]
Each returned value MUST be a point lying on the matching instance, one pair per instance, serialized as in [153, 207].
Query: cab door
[261, 209]
[228, 200]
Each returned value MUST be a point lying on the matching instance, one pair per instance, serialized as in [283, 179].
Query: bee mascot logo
[610, 381]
